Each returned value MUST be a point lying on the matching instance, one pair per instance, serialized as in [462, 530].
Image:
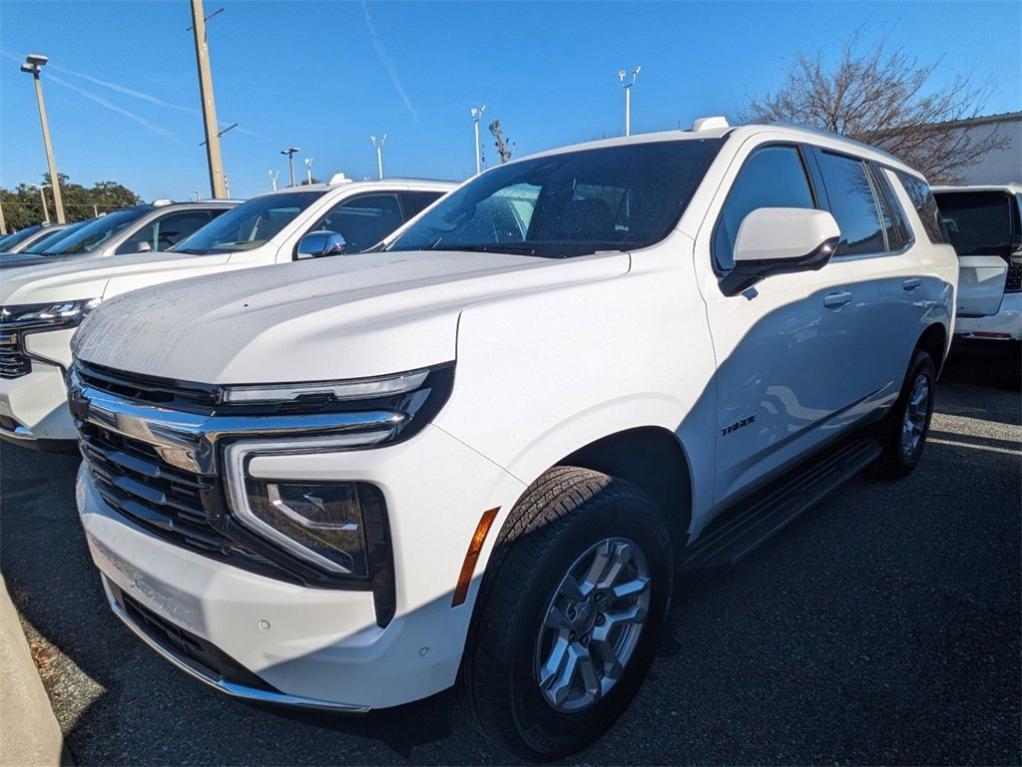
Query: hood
[78, 277]
[12, 260]
[342, 317]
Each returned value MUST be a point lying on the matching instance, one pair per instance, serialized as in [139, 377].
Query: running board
[741, 530]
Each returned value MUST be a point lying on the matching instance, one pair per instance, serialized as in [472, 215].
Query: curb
[29, 733]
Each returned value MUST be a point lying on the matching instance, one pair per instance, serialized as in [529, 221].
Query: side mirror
[322, 243]
[780, 241]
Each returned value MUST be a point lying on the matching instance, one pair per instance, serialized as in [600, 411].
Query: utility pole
[308, 169]
[628, 96]
[216, 167]
[379, 152]
[477, 113]
[3, 221]
[290, 152]
[42, 198]
[33, 65]
[273, 178]
[95, 210]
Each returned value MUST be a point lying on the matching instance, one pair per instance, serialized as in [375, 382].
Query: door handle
[911, 283]
[837, 300]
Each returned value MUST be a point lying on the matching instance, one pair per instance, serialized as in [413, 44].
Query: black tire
[563, 515]
[896, 459]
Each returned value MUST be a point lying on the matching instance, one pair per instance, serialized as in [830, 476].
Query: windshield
[978, 223]
[97, 232]
[12, 240]
[45, 244]
[249, 225]
[570, 204]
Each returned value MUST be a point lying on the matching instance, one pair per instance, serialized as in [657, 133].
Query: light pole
[290, 152]
[378, 143]
[628, 96]
[477, 113]
[42, 199]
[273, 178]
[216, 165]
[33, 65]
[308, 169]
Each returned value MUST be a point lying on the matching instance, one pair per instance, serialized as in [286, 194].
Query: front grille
[149, 390]
[1013, 284]
[171, 503]
[14, 363]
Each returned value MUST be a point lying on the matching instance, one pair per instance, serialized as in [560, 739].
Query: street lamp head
[621, 76]
[290, 150]
[638, 69]
[29, 69]
[36, 60]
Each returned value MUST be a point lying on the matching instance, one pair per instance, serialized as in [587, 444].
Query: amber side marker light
[472, 556]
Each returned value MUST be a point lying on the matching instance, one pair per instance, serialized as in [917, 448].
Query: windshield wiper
[515, 250]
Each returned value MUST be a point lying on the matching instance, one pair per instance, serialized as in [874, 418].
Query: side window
[416, 202]
[896, 230]
[926, 206]
[170, 230]
[853, 205]
[363, 221]
[772, 177]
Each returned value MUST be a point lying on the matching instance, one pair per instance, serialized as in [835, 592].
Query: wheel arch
[934, 341]
[653, 459]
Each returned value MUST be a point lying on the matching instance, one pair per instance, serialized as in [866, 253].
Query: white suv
[479, 456]
[41, 305]
[984, 224]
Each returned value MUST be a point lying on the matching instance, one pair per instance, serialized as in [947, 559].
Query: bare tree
[883, 96]
[505, 146]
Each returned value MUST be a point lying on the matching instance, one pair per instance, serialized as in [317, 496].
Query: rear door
[983, 227]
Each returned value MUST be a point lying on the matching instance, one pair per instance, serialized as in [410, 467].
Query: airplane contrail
[388, 62]
[114, 108]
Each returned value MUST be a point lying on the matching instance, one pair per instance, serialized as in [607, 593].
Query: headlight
[362, 388]
[333, 525]
[60, 314]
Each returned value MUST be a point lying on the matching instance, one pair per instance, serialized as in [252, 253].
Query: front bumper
[322, 647]
[33, 407]
[1006, 325]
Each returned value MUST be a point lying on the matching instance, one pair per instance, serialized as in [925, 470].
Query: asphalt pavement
[883, 627]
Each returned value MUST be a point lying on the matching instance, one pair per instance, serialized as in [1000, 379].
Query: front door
[782, 346]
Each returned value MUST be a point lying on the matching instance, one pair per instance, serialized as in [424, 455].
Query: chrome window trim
[189, 441]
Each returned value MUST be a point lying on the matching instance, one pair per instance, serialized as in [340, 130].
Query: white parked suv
[479, 456]
[41, 306]
[984, 224]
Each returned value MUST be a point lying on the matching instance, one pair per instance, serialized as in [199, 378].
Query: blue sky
[123, 99]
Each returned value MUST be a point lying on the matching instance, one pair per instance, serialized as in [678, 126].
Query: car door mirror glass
[320, 244]
[780, 240]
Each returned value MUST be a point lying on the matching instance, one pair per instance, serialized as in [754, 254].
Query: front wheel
[569, 615]
[904, 430]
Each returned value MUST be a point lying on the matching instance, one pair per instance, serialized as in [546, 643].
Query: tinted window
[165, 232]
[249, 225]
[773, 177]
[852, 204]
[978, 223]
[12, 240]
[926, 206]
[569, 204]
[44, 245]
[896, 230]
[416, 202]
[363, 221]
[98, 231]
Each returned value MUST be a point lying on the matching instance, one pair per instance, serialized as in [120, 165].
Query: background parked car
[46, 242]
[142, 229]
[984, 223]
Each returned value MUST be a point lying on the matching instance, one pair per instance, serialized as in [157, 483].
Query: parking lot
[882, 627]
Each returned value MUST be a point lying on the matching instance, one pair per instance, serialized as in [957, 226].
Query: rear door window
[772, 177]
[416, 202]
[896, 230]
[853, 205]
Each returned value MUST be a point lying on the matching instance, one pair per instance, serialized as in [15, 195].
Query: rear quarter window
[923, 201]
